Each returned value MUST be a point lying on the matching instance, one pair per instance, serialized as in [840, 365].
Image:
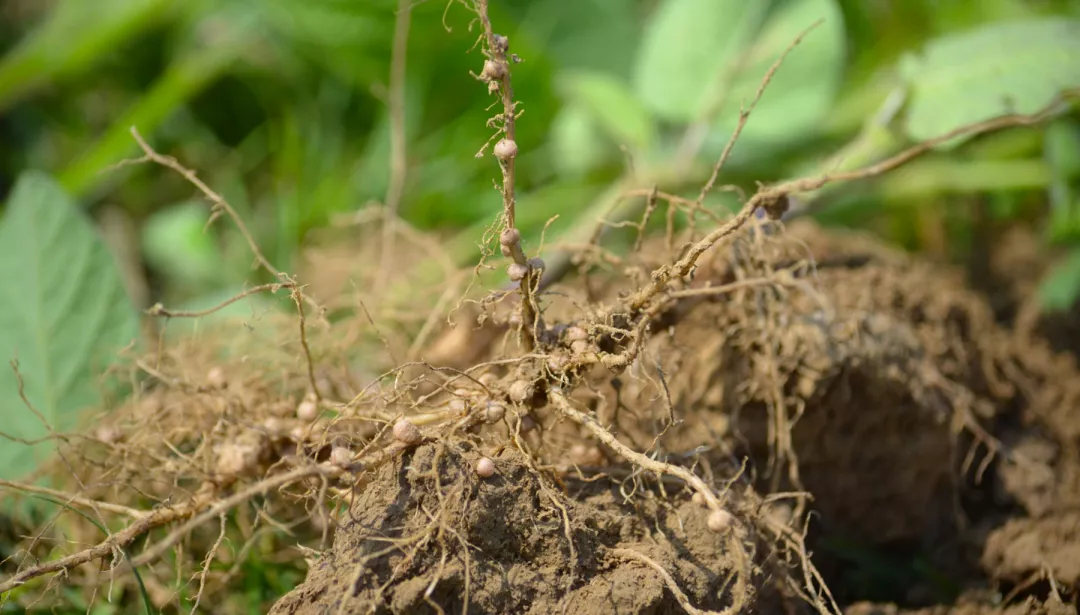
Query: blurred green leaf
[1061, 149]
[371, 175]
[341, 35]
[64, 313]
[1001, 68]
[330, 23]
[687, 46]
[577, 144]
[800, 94]
[932, 177]
[599, 35]
[243, 314]
[1061, 286]
[174, 242]
[613, 107]
[705, 59]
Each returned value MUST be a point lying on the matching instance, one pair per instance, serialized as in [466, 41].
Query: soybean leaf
[64, 314]
[612, 105]
[1001, 68]
[801, 92]
[596, 35]
[706, 58]
[175, 242]
[1061, 287]
[686, 47]
[577, 145]
[1061, 147]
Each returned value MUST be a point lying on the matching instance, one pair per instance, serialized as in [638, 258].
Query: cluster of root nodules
[808, 422]
[801, 393]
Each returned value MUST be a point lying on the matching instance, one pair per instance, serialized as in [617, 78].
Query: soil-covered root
[859, 365]
[879, 383]
[420, 539]
[845, 400]
[849, 404]
[211, 417]
[1027, 396]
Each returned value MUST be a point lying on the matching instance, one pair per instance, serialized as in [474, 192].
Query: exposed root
[563, 405]
[684, 602]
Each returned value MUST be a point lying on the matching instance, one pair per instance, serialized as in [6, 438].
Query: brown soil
[416, 538]
[1010, 277]
[876, 391]
[971, 605]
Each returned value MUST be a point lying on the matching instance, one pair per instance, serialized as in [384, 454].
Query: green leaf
[182, 80]
[801, 93]
[613, 107]
[1061, 287]
[64, 314]
[1001, 68]
[577, 145]
[1061, 149]
[329, 23]
[175, 241]
[704, 58]
[687, 45]
[597, 35]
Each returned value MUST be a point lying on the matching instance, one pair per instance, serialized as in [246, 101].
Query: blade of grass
[183, 80]
[67, 44]
[931, 177]
[147, 605]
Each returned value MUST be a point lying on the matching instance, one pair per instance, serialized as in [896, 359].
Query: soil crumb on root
[418, 541]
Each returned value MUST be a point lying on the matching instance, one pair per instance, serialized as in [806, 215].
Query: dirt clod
[1023, 547]
[429, 529]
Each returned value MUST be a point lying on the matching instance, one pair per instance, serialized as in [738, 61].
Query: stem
[497, 53]
[497, 47]
[398, 142]
[565, 408]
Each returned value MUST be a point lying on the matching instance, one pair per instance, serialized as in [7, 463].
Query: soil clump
[823, 373]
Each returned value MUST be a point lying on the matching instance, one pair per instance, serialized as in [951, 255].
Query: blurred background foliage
[281, 105]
